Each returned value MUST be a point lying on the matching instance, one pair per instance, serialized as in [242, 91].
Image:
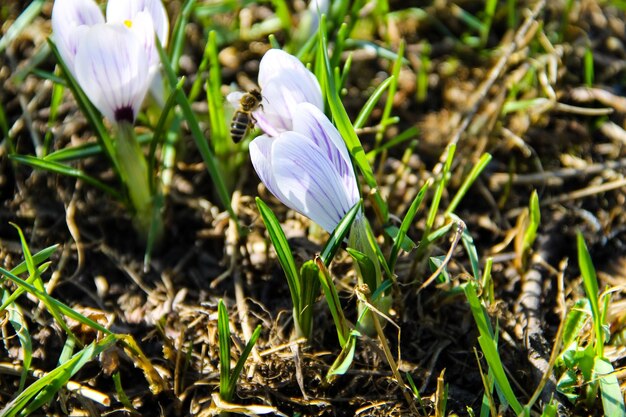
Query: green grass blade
[441, 185]
[366, 266]
[63, 308]
[610, 392]
[393, 87]
[198, 137]
[345, 126]
[535, 219]
[281, 246]
[590, 282]
[86, 150]
[22, 22]
[223, 333]
[310, 287]
[58, 168]
[495, 365]
[44, 389]
[467, 183]
[220, 136]
[160, 135]
[20, 326]
[488, 345]
[339, 234]
[178, 39]
[332, 299]
[41, 256]
[408, 134]
[371, 102]
[406, 224]
[242, 360]
[575, 321]
[55, 102]
[343, 362]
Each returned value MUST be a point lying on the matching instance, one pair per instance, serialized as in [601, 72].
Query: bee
[242, 118]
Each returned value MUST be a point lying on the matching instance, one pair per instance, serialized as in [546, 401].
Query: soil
[568, 147]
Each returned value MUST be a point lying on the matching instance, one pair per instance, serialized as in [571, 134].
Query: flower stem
[359, 240]
[134, 173]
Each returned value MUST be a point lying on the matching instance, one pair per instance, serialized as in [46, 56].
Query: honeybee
[242, 118]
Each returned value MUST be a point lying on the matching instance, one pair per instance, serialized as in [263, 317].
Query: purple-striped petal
[67, 17]
[314, 124]
[112, 68]
[307, 179]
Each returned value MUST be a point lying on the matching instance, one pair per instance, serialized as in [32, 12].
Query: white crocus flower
[111, 66]
[308, 168]
[285, 82]
[70, 18]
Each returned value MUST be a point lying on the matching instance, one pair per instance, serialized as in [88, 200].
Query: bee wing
[234, 98]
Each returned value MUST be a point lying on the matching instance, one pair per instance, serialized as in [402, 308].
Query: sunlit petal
[284, 82]
[308, 180]
[260, 156]
[67, 17]
[120, 11]
[312, 123]
[112, 68]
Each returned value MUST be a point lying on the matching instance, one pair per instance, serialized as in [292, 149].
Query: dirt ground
[567, 144]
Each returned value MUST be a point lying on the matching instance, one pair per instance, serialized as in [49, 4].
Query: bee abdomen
[239, 125]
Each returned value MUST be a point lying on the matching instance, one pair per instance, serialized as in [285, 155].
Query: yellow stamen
[128, 23]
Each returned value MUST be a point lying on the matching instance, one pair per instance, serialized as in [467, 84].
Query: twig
[457, 237]
[586, 192]
[364, 295]
[553, 178]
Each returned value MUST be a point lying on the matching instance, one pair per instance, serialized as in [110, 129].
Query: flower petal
[285, 82]
[67, 16]
[260, 156]
[112, 68]
[312, 123]
[308, 180]
[120, 11]
[276, 63]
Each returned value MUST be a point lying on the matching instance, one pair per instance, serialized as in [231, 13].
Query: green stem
[359, 240]
[134, 173]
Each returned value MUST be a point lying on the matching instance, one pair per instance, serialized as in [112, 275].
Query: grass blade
[467, 183]
[339, 234]
[22, 22]
[590, 283]
[406, 224]
[310, 287]
[332, 299]
[58, 168]
[200, 140]
[242, 360]
[610, 392]
[281, 246]
[44, 389]
[223, 333]
[371, 102]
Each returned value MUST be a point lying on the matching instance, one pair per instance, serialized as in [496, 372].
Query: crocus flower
[112, 68]
[308, 168]
[285, 82]
[115, 76]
